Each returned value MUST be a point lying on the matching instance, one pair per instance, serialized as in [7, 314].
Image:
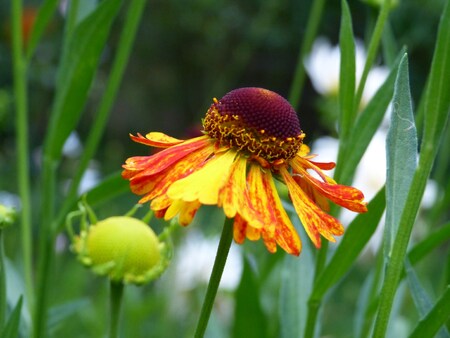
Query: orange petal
[204, 184]
[231, 195]
[277, 226]
[239, 228]
[314, 220]
[345, 196]
[151, 165]
[156, 139]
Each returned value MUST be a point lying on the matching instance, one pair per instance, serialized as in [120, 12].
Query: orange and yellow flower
[251, 136]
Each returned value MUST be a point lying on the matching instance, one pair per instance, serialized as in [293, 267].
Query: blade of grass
[437, 104]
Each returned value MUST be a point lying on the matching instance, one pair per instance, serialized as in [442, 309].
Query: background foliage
[104, 69]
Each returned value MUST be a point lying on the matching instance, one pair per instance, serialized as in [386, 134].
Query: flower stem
[312, 26]
[23, 166]
[216, 275]
[116, 296]
[373, 48]
[3, 300]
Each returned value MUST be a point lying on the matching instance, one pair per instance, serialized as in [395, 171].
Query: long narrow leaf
[420, 297]
[46, 11]
[421, 249]
[401, 152]
[365, 127]
[437, 108]
[249, 318]
[347, 76]
[77, 70]
[11, 329]
[355, 238]
[296, 284]
[435, 318]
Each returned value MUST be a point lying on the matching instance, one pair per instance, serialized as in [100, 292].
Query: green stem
[373, 48]
[216, 275]
[127, 38]
[395, 266]
[3, 300]
[45, 253]
[116, 296]
[23, 166]
[312, 27]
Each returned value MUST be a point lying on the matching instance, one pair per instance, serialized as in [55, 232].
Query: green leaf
[58, 314]
[77, 70]
[249, 319]
[355, 238]
[112, 186]
[401, 153]
[420, 297]
[46, 12]
[435, 318]
[365, 127]
[296, 285]
[431, 242]
[437, 99]
[347, 76]
[11, 329]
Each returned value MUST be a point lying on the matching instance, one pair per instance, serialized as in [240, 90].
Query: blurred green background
[186, 53]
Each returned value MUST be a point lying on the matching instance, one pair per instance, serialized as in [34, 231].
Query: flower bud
[124, 248]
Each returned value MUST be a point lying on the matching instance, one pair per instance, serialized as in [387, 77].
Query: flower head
[251, 136]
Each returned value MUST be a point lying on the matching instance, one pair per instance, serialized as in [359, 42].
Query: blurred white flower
[10, 200]
[91, 177]
[194, 260]
[72, 147]
[323, 68]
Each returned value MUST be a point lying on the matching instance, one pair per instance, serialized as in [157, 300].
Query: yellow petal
[231, 195]
[204, 184]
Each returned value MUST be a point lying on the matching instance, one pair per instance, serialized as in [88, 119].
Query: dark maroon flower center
[255, 120]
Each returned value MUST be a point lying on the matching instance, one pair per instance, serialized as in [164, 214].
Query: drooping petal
[186, 211]
[156, 139]
[345, 196]
[315, 221]
[151, 165]
[231, 195]
[239, 228]
[204, 184]
[277, 227]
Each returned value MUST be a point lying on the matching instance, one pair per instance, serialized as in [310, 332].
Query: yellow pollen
[231, 131]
